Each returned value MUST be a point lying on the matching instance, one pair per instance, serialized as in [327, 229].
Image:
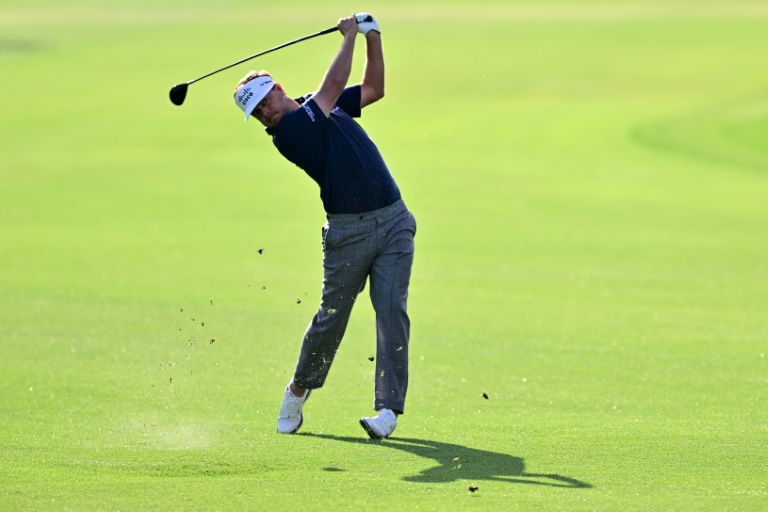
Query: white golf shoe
[380, 426]
[290, 418]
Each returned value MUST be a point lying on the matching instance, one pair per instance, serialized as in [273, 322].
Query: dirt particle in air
[473, 488]
[485, 395]
[371, 358]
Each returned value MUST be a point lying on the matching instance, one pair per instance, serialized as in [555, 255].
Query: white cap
[252, 93]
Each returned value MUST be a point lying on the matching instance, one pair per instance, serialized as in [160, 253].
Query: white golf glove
[366, 23]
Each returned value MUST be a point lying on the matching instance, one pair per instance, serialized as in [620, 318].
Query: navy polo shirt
[337, 153]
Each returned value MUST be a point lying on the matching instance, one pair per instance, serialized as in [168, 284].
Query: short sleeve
[349, 101]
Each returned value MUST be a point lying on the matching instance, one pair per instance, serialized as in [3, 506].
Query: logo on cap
[244, 96]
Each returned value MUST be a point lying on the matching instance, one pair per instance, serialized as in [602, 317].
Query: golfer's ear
[279, 88]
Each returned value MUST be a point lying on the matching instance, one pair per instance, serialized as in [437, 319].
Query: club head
[178, 93]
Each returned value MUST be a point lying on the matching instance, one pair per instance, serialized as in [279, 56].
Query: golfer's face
[268, 110]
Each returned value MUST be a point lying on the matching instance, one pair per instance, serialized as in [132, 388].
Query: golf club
[179, 91]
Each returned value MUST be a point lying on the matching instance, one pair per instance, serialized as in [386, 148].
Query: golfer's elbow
[370, 94]
[378, 92]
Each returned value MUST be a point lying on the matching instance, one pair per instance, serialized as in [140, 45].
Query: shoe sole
[301, 422]
[371, 433]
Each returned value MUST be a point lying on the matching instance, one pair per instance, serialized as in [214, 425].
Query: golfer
[369, 231]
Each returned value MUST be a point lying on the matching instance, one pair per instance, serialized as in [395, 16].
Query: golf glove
[366, 23]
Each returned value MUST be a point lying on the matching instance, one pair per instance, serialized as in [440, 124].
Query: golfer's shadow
[456, 462]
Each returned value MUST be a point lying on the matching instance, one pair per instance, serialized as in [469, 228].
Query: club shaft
[322, 32]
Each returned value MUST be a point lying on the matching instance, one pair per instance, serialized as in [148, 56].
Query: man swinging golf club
[369, 231]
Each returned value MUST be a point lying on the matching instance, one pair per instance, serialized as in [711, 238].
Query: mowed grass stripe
[727, 133]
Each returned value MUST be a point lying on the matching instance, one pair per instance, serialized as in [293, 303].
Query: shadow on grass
[460, 462]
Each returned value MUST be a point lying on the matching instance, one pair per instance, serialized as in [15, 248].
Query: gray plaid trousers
[378, 245]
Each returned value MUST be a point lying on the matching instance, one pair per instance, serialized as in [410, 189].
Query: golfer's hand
[366, 23]
[347, 25]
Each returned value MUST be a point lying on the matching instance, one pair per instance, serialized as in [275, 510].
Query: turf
[589, 180]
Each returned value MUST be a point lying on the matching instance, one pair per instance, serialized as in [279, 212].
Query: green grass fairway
[590, 181]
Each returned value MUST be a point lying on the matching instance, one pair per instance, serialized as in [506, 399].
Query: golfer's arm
[372, 88]
[335, 79]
